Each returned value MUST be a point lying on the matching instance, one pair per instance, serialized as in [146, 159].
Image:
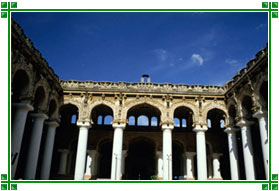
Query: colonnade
[18, 126]
[245, 128]
[164, 157]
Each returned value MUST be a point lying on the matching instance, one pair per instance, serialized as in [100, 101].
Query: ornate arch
[42, 83]
[189, 105]
[103, 102]
[54, 96]
[258, 86]
[134, 103]
[72, 102]
[210, 106]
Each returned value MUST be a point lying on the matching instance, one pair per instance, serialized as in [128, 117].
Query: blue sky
[179, 48]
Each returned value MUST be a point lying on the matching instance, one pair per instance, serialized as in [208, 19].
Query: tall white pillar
[91, 165]
[117, 150]
[124, 155]
[63, 161]
[48, 149]
[167, 151]
[247, 149]
[262, 118]
[201, 151]
[159, 156]
[216, 166]
[81, 149]
[233, 152]
[18, 124]
[189, 156]
[209, 166]
[34, 145]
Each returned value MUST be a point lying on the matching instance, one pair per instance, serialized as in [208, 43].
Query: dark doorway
[177, 161]
[105, 150]
[140, 161]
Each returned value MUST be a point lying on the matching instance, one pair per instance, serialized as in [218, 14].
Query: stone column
[81, 149]
[34, 145]
[216, 166]
[189, 165]
[48, 149]
[124, 155]
[159, 156]
[91, 165]
[247, 149]
[201, 151]
[63, 161]
[262, 118]
[117, 150]
[233, 152]
[18, 124]
[209, 164]
[167, 151]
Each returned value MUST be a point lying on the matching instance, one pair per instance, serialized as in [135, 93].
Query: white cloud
[232, 62]
[161, 54]
[260, 26]
[196, 58]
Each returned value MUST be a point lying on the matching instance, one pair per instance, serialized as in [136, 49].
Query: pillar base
[215, 179]
[189, 179]
[87, 177]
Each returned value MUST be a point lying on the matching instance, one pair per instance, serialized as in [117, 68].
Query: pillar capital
[39, 116]
[216, 155]
[124, 153]
[167, 122]
[230, 129]
[85, 124]
[159, 154]
[92, 152]
[52, 124]
[119, 125]
[189, 154]
[23, 106]
[259, 114]
[167, 126]
[200, 128]
[244, 123]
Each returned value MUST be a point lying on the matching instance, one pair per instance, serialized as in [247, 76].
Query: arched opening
[177, 161]
[219, 140]
[264, 95]
[52, 109]
[140, 161]
[145, 116]
[143, 121]
[108, 120]
[104, 161]
[39, 99]
[102, 116]
[154, 122]
[183, 118]
[247, 105]
[20, 85]
[131, 121]
[65, 138]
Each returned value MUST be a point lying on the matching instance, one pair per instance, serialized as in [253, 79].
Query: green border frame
[266, 7]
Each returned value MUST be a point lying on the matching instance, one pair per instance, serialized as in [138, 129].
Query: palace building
[135, 130]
